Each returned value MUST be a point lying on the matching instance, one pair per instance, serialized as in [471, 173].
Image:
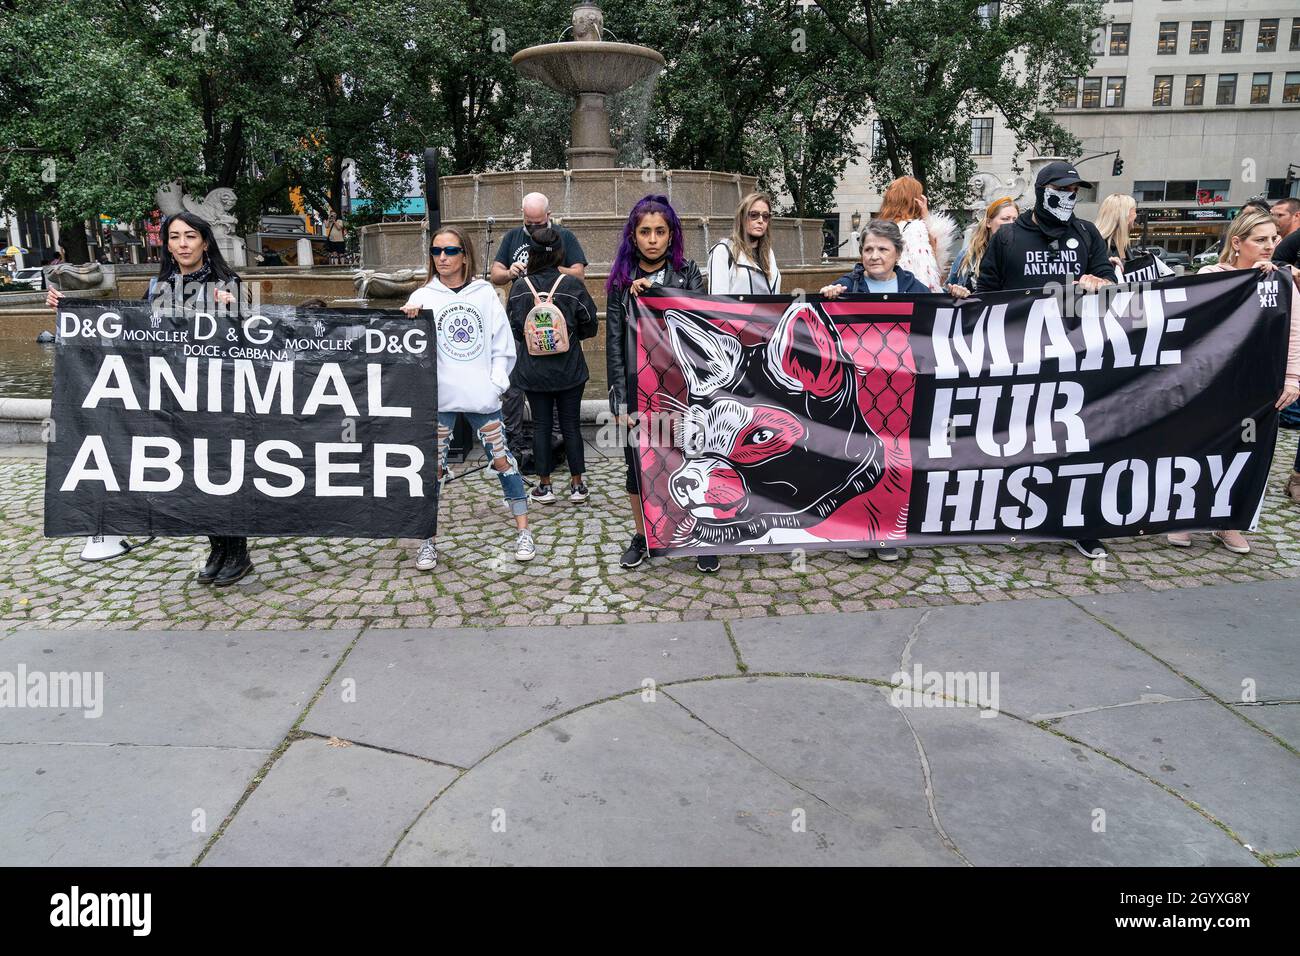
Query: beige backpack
[546, 331]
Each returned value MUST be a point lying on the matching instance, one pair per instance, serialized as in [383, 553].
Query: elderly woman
[879, 271]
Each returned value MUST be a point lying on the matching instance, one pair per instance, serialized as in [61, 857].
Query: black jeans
[569, 403]
[512, 417]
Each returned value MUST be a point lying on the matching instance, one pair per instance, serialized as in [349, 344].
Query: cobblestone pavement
[326, 583]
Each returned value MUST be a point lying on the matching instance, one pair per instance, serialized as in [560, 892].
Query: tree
[927, 66]
[86, 126]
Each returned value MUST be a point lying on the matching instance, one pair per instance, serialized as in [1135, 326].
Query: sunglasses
[451, 251]
[755, 216]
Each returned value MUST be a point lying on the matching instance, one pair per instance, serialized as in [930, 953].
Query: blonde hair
[467, 257]
[740, 241]
[979, 240]
[1247, 222]
[1112, 221]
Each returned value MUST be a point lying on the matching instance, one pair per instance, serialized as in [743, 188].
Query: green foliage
[927, 66]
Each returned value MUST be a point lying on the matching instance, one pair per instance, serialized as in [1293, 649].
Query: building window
[1275, 189]
[1200, 41]
[1167, 42]
[1261, 86]
[1267, 42]
[1114, 91]
[981, 136]
[1119, 39]
[1099, 41]
[1210, 191]
[1180, 190]
[1291, 88]
[1164, 91]
[1227, 94]
[1194, 90]
[988, 13]
[1068, 98]
[1232, 36]
[877, 138]
[1091, 92]
[1295, 33]
[1149, 190]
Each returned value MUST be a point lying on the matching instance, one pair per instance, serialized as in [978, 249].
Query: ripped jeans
[491, 433]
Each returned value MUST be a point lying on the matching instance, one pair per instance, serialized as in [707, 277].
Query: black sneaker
[1090, 548]
[707, 563]
[636, 552]
[578, 492]
[543, 494]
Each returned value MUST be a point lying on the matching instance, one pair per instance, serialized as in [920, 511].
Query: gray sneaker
[524, 549]
[426, 559]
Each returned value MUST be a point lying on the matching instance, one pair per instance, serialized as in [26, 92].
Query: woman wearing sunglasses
[476, 352]
[744, 262]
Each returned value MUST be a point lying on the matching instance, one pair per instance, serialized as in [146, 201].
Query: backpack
[546, 331]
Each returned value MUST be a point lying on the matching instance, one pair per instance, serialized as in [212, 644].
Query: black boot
[237, 563]
[216, 557]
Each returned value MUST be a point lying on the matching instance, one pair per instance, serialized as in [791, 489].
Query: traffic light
[1117, 167]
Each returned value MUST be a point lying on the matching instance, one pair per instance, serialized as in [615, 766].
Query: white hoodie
[476, 349]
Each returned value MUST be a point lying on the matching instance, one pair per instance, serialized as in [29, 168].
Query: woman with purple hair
[651, 253]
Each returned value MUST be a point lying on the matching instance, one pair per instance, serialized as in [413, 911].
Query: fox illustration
[766, 426]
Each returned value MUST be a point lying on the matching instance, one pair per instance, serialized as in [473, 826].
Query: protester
[926, 235]
[553, 382]
[882, 246]
[335, 239]
[1115, 218]
[734, 261]
[1249, 244]
[1050, 244]
[966, 267]
[511, 262]
[1286, 213]
[651, 253]
[475, 355]
[192, 274]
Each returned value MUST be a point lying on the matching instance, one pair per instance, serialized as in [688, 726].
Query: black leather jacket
[618, 338]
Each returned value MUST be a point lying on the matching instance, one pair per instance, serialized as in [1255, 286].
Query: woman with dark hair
[552, 377]
[192, 274]
[651, 253]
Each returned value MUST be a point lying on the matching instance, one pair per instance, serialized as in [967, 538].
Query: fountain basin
[588, 66]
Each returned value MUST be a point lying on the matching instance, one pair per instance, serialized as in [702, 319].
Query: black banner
[283, 422]
[766, 423]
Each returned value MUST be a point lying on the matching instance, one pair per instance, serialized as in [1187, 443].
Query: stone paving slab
[324, 805]
[639, 784]
[205, 688]
[1219, 637]
[1281, 719]
[341, 583]
[454, 694]
[1011, 794]
[1198, 748]
[858, 645]
[90, 805]
[832, 739]
[1049, 657]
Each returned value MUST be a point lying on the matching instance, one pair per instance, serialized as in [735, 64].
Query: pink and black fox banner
[767, 423]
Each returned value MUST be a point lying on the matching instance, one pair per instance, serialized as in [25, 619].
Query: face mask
[1059, 202]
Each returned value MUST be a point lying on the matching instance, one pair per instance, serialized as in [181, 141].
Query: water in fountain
[630, 115]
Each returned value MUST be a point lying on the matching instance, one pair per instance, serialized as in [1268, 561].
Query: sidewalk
[1142, 712]
[763, 742]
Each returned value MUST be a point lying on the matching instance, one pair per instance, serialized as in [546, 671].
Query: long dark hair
[546, 250]
[167, 267]
[625, 261]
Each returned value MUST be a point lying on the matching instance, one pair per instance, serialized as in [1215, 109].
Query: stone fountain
[593, 196]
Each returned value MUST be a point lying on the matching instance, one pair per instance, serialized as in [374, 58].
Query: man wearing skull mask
[1048, 245]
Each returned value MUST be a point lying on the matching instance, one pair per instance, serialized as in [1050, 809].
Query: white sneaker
[426, 559]
[524, 549]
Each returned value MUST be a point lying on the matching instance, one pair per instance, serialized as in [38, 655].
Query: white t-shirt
[736, 275]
